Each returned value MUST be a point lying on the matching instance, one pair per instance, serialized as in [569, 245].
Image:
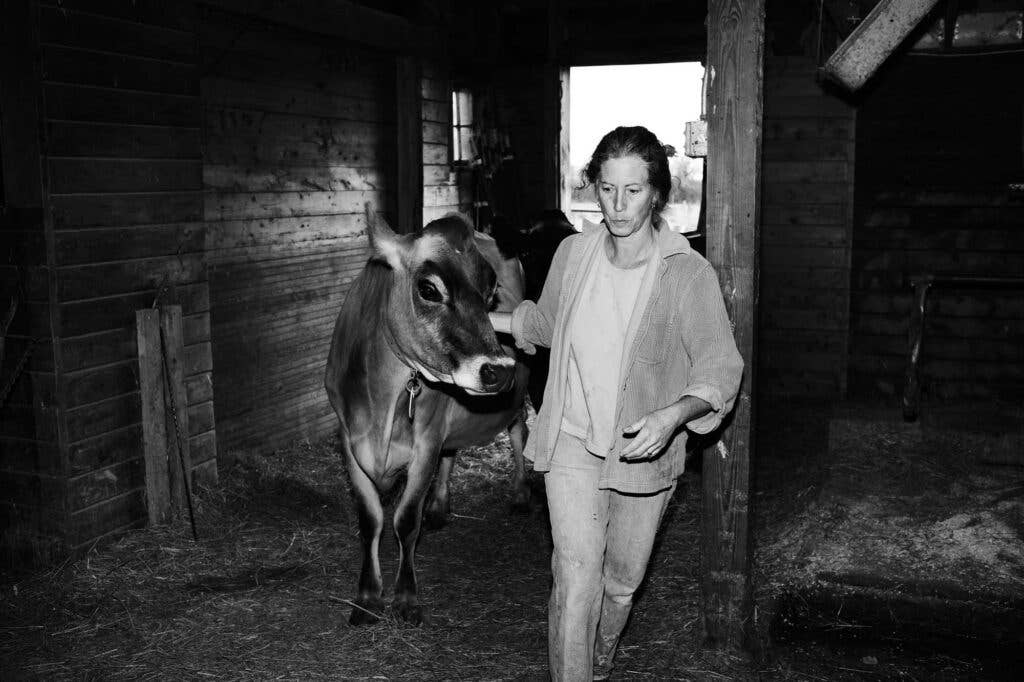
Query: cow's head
[437, 311]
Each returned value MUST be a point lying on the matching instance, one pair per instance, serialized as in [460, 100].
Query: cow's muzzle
[495, 378]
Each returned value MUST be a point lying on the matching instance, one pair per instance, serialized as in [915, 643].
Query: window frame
[460, 126]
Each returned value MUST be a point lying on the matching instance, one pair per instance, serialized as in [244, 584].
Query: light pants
[602, 542]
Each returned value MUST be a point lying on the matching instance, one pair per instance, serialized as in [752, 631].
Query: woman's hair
[634, 141]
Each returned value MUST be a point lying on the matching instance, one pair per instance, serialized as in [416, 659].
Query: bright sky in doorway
[662, 97]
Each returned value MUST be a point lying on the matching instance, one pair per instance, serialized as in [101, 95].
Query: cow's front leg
[369, 605]
[520, 488]
[435, 515]
[408, 514]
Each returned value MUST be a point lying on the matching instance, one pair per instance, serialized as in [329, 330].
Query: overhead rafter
[340, 19]
[875, 39]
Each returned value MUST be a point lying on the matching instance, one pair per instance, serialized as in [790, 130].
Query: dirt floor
[264, 594]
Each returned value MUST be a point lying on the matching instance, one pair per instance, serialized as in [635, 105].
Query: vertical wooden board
[735, 49]
[154, 432]
[19, 110]
[409, 143]
[179, 460]
[553, 113]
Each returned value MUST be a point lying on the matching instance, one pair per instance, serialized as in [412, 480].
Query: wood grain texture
[121, 131]
[177, 412]
[807, 203]
[154, 425]
[735, 49]
[302, 130]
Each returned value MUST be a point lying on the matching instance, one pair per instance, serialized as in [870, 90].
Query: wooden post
[409, 101]
[154, 431]
[566, 179]
[555, 115]
[177, 433]
[735, 54]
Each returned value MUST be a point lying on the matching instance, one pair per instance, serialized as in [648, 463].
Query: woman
[641, 351]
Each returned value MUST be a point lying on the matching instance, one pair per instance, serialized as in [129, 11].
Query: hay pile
[264, 594]
[908, 505]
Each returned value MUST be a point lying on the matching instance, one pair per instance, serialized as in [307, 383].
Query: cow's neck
[389, 342]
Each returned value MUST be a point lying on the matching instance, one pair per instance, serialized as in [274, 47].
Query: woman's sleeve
[533, 323]
[717, 367]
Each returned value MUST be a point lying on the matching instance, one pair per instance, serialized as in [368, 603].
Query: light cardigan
[679, 342]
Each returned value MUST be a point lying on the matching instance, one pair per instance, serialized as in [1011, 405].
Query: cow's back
[511, 277]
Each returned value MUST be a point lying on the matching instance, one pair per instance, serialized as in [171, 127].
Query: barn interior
[217, 156]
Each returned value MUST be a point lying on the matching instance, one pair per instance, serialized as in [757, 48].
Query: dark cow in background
[509, 294]
[521, 259]
[535, 248]
[414, 368]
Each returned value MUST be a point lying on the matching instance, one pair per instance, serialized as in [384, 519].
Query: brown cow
[415, 368]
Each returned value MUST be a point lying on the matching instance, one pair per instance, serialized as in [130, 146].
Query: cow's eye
[428, 292]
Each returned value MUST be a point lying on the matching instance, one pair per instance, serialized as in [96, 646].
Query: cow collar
[413, 385]
[413, 388]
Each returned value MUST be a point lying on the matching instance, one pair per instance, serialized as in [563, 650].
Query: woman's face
[626, 197]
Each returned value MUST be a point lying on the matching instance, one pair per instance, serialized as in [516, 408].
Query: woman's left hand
[653, 433]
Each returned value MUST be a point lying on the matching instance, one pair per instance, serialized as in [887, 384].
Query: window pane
[465, 145]
[465, 106]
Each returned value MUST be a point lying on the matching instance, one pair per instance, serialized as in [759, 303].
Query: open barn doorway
[661, 97]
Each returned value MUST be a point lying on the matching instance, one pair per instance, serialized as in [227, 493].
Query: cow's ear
[384, 243]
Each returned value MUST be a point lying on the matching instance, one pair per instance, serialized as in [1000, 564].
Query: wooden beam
[179, 458]
[409, 117]
[154, 428]
[552, 103]
[735, 81]
[874, 40]
[566, 178]
[339, 19]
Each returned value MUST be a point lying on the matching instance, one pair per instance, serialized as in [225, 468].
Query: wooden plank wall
[123, 163]
[938, 142]
[300, 133]
[32, 500]
[807, 204]
[518, 95]
[445, 189]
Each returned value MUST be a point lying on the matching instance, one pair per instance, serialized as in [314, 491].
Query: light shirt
[597, 336]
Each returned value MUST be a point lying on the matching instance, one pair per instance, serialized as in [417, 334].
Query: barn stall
[216, 156]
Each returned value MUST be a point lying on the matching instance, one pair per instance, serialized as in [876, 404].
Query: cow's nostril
[494, 375]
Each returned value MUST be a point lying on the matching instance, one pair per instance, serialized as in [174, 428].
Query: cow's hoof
[521, 502]
[410, 612]
[366, 612]
[435, 517]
